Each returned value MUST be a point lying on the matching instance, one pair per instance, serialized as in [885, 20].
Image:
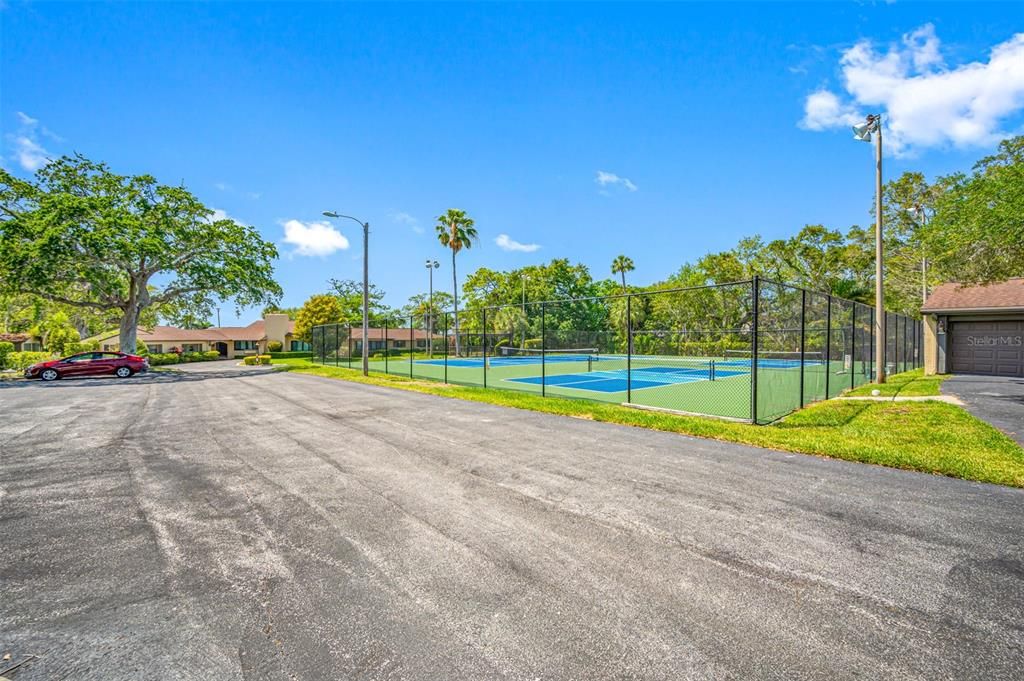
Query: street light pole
[366, 287]
[523, 331]
[864, 132]
[923, 217]
[431, 266]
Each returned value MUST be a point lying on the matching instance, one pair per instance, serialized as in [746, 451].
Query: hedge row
[22, 360]
[159, 359]
[291, 355]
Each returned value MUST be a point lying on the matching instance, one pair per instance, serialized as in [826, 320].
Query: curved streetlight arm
[366, 287]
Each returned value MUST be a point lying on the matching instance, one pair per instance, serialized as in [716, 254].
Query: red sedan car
[89, 364]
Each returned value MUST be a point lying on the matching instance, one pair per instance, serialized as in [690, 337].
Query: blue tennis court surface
[478, 362]
[617, 380]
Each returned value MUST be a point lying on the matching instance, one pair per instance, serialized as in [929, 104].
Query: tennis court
[753, 350]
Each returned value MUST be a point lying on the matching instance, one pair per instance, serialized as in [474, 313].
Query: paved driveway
[996, 399]
[234, 525]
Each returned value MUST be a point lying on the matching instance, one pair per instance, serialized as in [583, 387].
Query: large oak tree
[83, 236]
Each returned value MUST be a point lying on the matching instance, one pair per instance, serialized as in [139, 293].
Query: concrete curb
[949, 399]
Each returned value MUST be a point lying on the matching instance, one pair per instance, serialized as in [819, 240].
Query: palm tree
[455, 230]
[621, 265]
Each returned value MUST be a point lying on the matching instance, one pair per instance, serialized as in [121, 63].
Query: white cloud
[409, 221]
[221, 214]
[28, 152]
[313, 238]
[604, 179]
[923, 102]
[507, 243]
[222, 186]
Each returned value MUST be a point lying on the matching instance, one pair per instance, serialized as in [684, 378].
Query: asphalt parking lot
[236, 524]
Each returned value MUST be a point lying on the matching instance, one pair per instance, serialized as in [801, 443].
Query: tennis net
[651, 366]
[559, 355]
[775, 357]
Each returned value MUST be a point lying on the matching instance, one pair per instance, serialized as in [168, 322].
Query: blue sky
[584, 130]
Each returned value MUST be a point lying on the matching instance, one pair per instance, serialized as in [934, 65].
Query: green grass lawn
[931, 437]
[908, 384]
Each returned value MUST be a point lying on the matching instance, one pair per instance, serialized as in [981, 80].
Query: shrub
[6, 348]
[210, 355]
[252, 360]
[275, 346]
[160, 359]
[294, 355]
[534, 343]
[21, 360]
[140, 348]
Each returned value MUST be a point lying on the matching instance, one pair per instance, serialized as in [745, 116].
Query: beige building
[228, 341]
[975, 329]
[23, 342]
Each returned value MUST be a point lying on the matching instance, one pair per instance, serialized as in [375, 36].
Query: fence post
[445, 347]
[323, 347]
[756, 285]
[853, 345]
[543, 346]
[871, 345]
[412, 344]
[803, 341]
[828, 342]
[483, 343]
[386, 352]
[350, 345]
[629, 348]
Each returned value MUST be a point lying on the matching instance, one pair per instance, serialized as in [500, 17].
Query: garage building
[975, 329]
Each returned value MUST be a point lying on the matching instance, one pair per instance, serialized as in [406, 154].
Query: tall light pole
[923, 217]
[431, 266]
[366, 286]
[864, 132]
[523, 331]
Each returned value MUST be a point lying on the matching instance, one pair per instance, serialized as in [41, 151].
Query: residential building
[23, 342]
[228, 341]
[975, 329]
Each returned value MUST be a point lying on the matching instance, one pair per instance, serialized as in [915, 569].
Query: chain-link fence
[750, 351]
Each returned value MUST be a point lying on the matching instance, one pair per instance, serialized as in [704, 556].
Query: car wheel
[123, 372]
[49, 375]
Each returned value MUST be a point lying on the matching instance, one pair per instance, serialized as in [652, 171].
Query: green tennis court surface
[718, 386]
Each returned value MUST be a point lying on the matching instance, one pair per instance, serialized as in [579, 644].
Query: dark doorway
[222, 349]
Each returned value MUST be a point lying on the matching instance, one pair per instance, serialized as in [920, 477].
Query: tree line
[90, 248]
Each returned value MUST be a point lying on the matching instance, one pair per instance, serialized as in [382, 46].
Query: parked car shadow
[150, 377]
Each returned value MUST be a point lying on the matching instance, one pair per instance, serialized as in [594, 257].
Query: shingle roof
[14, 337]
[169, 334]
[1002, 296]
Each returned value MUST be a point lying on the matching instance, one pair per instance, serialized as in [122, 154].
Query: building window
[31, 346]
[191, 347]
[107, 347]
[376, 345]
[398, 343]
[155, 349]
[301, 346]
[421, 342]
[245, 345]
